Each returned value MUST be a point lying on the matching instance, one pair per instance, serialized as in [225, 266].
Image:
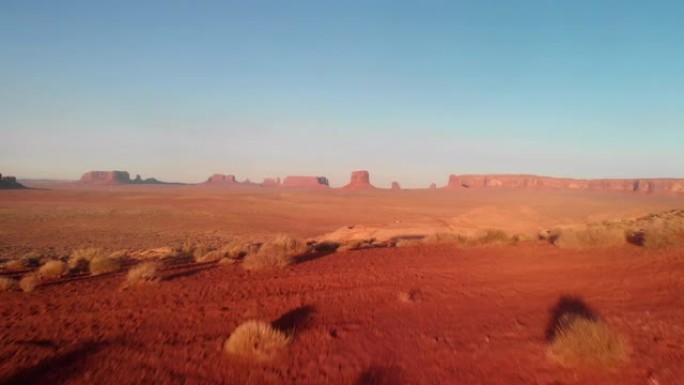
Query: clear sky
[411, 91]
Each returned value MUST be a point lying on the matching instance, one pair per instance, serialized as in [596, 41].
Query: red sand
[479, 317]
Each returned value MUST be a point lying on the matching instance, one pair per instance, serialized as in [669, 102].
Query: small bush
[492, 236]
[103, 265]
[440, 238]
[588, 236]
[587, 342]
[8, 284]
[80, 258]
[234, 250]
[29, 282]
[16, 264]
[278, 252]
[143, 273]
[256, 340]
[53, 269]
[211, 256]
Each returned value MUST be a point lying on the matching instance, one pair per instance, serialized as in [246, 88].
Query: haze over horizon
[411, 92]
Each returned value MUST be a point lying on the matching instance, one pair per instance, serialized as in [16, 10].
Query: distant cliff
[115, 178]
[10, 183]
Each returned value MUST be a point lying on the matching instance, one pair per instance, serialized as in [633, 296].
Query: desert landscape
[233, 283]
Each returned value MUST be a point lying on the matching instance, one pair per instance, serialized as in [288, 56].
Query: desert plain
[377, 296]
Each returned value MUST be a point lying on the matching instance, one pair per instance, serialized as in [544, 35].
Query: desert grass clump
[588, 236]
[29, 282]
[104, 264]
[587, 342]
[210, 256]
[80, 258]
[441, 238]
[257, 341]
[663, 234]
[492, 237]
[8, 284]
[234, 250]
[53, 269]
[146, 272]
[280, 251]
[16, 264]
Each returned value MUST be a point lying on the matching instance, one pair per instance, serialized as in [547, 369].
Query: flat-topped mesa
[360, 180]
[660, 185]
[433, 186]
[306, 181]
[10, 183]
[271, 182]
[220, 179]
[106, 177]
[396, 186]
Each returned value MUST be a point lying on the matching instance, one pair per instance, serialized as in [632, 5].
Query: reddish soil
[479, 314]
[479, 317]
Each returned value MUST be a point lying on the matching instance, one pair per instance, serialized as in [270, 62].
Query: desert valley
[483, 280]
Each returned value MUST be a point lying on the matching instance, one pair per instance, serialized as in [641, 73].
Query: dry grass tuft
[256, 340]
[409, 296]
[29, 282]
[80, 258]
[281, 251]
[587, 342]
[663, 233]
[234, 250]
[440, 238]
[53, 269]
[103, 265]
[16, 264]
[596, 235]
[8, 284]
[146, 272]
[210, 256]
[492, 237]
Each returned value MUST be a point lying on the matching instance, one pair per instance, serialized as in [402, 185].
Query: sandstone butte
[114, 178]
[220, 179]
[660, 185]
[10, 183]
[360, 180]
[396, 186]
[306, 181]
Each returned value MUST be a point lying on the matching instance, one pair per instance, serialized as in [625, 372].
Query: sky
[411, 91]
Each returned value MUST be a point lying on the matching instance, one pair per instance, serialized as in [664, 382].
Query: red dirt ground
[479, 314]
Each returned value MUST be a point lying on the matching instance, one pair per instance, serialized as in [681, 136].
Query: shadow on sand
[295, 320]
[381, 375]
[564, 311]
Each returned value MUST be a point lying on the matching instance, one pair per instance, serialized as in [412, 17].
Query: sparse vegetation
[492, 237]
[53, 269]
[440, 238]
[256, 340]
[80, 258]
[29, 282]
[210, 256]
[8, 284]
[234, 250]
[595, 235]
[103, 265]
[278, 252]
[145, 272]
[16, 264]
[587, 342]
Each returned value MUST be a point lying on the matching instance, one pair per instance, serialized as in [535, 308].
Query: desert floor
[476, 315]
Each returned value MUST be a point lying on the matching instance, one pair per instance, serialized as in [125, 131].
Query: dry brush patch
[29, 282]
[104, 264]
[8, 284]
[595, 235]
[53, 269]
[588, 342]
[146, 272]
[256, 341]
[80, 258]
[280, 251]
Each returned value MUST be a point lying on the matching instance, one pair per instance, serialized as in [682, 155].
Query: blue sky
[411, 91]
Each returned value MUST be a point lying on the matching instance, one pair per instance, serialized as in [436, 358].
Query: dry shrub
[278, 252]
[103, 265]
[146, 272]
[588, 342]
[53, 269]
[663, 233]
[29, 282]
[256, 340]
[80, 258]
[8, 284]
[588, 236]
[408, 242]
[440, 238]
[211, 256]
[491, 237]
[16, 264]
[234, 250]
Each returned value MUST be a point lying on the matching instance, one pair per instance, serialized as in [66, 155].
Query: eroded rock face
[220, 179]
[534, 181]
[396, 186]
[306, 181]
[433, 186]
[10, 183]
[106, 177]
[359, 180]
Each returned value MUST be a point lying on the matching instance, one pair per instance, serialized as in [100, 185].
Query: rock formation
[433, 186]
[543, 182]
[359, 180]
[396, 186]
[10, 183]
[220, 179]
[306, 181]
[115, 178]
[271, 182]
